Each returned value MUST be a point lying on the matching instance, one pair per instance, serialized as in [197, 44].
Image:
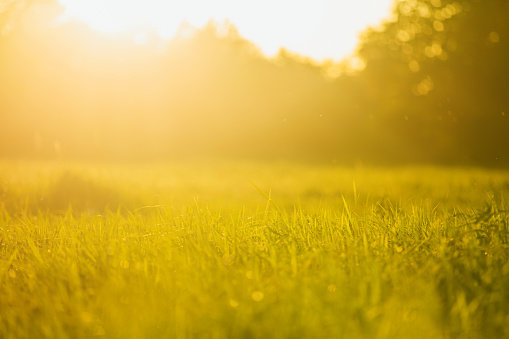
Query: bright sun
[320, 29]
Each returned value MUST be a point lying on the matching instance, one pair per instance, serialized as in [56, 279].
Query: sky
[320, 29]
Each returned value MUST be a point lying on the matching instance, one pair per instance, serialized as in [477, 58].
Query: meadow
[244, 249]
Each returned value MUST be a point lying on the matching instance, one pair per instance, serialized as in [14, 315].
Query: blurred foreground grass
[195, 250]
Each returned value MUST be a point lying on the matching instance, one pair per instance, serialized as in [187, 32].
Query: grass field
[252, 250]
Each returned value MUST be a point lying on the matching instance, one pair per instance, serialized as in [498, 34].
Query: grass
[252, 250]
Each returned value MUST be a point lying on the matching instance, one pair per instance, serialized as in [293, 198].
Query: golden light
[321, 29]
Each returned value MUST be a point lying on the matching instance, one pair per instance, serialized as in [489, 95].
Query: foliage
[442, 65]
[432, 91]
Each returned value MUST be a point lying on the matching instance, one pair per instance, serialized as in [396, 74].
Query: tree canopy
[432, 90]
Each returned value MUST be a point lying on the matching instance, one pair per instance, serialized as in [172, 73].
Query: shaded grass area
[198, 252]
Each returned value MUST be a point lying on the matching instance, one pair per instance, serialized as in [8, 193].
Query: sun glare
[321, 29]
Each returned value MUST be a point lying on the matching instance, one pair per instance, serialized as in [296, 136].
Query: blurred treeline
[434, 89]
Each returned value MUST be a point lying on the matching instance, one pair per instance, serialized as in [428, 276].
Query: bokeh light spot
[257, 296]
[494, 37]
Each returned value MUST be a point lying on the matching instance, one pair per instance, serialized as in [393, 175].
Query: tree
[436, 76]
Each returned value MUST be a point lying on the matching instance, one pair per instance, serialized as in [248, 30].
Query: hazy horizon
[320, 30]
